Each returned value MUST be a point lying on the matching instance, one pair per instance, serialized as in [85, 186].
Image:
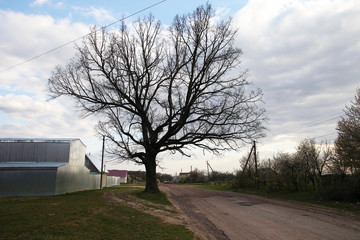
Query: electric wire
[323, 119]
[73, 41]
[311, 126]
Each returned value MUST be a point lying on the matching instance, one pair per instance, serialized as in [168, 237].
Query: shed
[122, 174]
[44, 167]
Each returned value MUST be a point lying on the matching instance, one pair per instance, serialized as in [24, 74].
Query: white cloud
[39, 2]
[304, 55]
[34, 117]
[26, 36]
[101, 15]
[59, 4]
[24, 109]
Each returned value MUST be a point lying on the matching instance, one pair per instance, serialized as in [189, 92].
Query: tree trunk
[151, 180]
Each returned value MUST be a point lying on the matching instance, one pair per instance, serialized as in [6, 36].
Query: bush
[347, 190]
[243, 181]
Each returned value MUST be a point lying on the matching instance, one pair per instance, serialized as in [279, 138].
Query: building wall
[112, 181]
[27, 182]
[123, 179]
[21, 180]
[70, 176]
[75, 176]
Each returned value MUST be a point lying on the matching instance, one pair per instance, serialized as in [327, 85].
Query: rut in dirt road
[226, 215]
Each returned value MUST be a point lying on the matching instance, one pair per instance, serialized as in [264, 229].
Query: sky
[303, 54]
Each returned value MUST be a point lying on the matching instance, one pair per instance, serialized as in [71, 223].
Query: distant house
[46, 167]
[183, 176]
[95, 168]
[122, 174]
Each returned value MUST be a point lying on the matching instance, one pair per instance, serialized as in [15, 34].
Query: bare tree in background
[159, 90]
[308, 155]
[314, 159]
[326, 159]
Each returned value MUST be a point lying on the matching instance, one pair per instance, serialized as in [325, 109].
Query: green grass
[82, 215]
[304, 197]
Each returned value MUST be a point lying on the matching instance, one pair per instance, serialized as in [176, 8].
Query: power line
[322, 119]
[308, 131]
[325, 135]
[316, 122]
[65, 44]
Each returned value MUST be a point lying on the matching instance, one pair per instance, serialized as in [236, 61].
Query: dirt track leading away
[225, 215]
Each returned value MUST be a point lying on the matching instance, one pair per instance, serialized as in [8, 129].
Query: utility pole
[207, 165]
[102, 162]
[191, 174]
[256, 169]
[252, 151]
[243, 171]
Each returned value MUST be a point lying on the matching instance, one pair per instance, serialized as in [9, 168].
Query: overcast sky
[304, 55]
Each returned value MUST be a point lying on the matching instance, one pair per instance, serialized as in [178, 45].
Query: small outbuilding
[45, 167]
[122, 174]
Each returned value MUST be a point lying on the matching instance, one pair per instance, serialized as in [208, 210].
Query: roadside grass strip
[85, 215]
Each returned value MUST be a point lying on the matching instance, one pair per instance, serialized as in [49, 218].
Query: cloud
[32, 117]
[26, 36]
[39, 2]
[101, 15]
[304, 55]
[24, 109]
[59, 4]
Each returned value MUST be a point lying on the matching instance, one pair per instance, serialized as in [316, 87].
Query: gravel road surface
[226, 215]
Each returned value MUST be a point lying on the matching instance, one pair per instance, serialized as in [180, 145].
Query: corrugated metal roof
[56, 140]
[34, 151]
[96, 163]
[30, 165]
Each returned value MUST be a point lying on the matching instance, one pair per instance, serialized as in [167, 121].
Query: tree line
[332, 171]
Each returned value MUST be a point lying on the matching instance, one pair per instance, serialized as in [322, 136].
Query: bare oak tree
[158, 90]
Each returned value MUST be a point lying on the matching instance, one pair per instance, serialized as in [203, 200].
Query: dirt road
[225, 215]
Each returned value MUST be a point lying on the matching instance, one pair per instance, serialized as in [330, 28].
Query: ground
[225, 215]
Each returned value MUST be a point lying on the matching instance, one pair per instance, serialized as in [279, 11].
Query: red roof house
[118, 173]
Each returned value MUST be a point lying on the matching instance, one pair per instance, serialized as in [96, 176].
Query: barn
[31, 167]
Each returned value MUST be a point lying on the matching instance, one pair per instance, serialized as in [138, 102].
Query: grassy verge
[137, 190]
[83, 215]
[155, 198]
[305, 197]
